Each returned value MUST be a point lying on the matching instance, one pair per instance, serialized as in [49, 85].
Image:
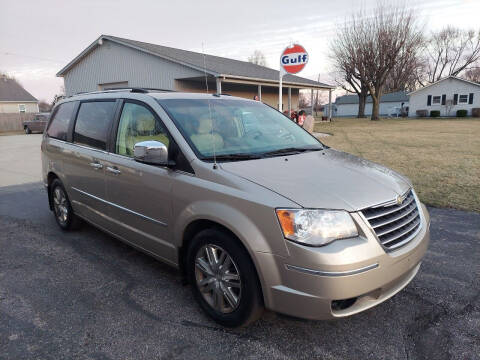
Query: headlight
[316, 227]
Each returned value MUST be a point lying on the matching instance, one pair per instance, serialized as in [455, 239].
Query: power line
[34, 57]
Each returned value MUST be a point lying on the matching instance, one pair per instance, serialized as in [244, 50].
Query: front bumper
[355, 273]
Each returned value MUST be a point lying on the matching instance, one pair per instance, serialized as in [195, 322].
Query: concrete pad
[20, 160]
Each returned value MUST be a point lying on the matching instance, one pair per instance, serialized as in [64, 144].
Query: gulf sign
[294, 59]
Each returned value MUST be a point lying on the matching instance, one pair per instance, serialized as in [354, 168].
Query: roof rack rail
[131, 89]
[158, 89]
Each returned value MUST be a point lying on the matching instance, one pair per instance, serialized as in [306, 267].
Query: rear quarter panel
[53, 157]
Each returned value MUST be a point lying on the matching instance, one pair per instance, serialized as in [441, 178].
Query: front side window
[137, 124]
[463, 99]
[93, 123]
[436, 100]
[58, 127]
[21, 108]
[237, 128]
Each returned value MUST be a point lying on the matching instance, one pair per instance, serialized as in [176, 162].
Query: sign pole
[280, 90]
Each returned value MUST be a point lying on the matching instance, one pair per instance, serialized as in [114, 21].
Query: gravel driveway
[20, 159]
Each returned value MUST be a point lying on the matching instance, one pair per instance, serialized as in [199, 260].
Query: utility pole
[316, 98]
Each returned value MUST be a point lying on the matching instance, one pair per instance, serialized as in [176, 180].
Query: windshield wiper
[252, 156]
[234, 157]
[289, 151]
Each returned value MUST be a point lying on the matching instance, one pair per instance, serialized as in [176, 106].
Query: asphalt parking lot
[85, 295]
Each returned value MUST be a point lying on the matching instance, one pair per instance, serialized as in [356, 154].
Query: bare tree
[450, 51]
[405, 74]
[473, 74]
[59, 96]
[303, 101]
[258, 58]
[392, 36]
[44, 106]
[4, 75]
[321, 97]
[345, 55]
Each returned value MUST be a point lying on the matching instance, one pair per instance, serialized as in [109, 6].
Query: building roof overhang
[225, 77]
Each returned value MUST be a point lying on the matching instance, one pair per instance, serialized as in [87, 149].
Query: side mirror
[151, 152]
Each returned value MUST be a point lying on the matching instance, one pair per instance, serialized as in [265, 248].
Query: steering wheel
[254, 134]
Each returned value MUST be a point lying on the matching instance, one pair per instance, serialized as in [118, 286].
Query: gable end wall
[113, 63]
[449, 87]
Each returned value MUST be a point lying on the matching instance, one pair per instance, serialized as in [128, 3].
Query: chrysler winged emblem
[400, 199]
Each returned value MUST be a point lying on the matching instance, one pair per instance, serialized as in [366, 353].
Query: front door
[139, 195]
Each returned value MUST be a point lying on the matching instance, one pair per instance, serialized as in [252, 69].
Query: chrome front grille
[395, 225]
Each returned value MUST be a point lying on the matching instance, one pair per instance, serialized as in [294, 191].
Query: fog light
[343, 304]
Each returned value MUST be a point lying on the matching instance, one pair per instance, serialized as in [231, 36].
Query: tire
[27, 130]
[62, 208]
[228, 277]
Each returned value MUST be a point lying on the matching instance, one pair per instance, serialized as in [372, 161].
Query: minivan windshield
[237, 129]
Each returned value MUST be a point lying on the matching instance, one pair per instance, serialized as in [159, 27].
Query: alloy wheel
[217, 278]
[60, 205]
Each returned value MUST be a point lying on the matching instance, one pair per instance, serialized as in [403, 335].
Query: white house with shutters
[447, 96]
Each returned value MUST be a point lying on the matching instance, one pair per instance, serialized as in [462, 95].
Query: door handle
[113, 170]
[96, 165]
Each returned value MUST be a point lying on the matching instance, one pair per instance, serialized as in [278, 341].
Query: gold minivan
[254, 211]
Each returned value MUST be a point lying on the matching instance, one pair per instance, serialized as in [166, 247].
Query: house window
[463, 99]
[21, 108]
[436, 100]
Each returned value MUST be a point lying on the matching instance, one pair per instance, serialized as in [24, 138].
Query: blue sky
[37, 38]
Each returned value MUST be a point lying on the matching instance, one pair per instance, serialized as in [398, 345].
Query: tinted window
[137, 124]
[93, 123]
[59, 126]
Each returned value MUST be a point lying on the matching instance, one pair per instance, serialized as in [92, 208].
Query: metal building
[111, 62]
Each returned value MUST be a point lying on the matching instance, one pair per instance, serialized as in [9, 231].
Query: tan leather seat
[204, 140]
[144, 131]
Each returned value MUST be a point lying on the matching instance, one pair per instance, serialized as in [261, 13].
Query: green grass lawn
[440, 156]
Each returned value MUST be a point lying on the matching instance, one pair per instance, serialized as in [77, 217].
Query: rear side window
[93, 123]
[58, 128]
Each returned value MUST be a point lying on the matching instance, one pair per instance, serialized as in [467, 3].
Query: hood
[330, 179]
